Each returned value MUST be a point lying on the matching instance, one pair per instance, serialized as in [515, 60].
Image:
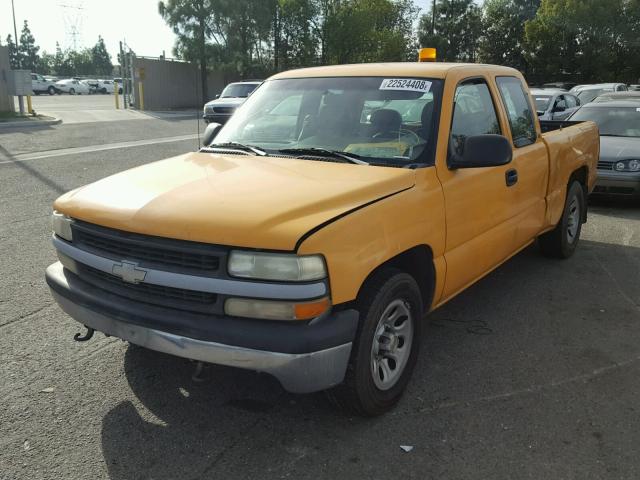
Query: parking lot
[533, 373]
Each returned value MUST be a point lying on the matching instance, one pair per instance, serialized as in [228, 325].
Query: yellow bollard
[116, 95]
[29, 107]
[141, 95]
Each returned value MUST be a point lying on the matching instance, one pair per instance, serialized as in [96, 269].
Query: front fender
[356, 244]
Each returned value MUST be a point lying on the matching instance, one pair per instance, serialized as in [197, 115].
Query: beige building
[6, 101]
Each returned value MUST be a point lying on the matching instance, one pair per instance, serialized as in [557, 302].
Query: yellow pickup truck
[312, 234]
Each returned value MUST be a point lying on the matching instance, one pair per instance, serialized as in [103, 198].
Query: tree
[14, 53]
[458, 25]
[189, 21]
[28, 49]
[590, 41]
[502, 40]
[369, 31]
[294, 43]
[101, 59]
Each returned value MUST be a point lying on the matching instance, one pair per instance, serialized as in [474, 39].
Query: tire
[374, 381]
[120, 90]
[72, 91]
[36, 93]
[562, 241]
[51, 90]
[103, 91]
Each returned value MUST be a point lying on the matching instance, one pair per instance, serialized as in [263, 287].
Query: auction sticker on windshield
[410, 84]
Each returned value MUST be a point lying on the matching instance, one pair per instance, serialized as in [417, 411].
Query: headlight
[627, 166]
[274, 310]
[61, 225]
[276, 266]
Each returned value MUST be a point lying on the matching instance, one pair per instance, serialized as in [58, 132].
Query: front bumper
[617, 183]
[220, 118]
[303, 357]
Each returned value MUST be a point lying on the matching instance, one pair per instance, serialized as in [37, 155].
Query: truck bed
[550, 125]
[572, 146]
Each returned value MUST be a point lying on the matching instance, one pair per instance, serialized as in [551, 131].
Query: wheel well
[581, 175]
[417, 262]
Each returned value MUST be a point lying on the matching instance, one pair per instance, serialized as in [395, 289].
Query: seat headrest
[386, 119]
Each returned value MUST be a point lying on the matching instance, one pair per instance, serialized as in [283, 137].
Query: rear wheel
[562, 241]
[72, 91]
[386, 345]
[51, 90]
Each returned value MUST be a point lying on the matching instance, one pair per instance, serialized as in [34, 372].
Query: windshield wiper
[239, 146]
[324, 152]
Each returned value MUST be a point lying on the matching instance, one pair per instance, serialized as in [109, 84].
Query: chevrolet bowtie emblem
[129, 272]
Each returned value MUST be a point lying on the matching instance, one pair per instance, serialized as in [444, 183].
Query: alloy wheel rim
[392, 343]
[573, 220]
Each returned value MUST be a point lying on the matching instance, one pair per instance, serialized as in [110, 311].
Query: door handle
[511, 177]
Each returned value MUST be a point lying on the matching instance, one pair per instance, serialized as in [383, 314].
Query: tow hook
[78, 337]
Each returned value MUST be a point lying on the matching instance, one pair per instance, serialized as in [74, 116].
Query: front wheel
[562, 241]
[386, 346]
[72, 91]
[51, 91]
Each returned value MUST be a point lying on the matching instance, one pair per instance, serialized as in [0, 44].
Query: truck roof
[402, 69]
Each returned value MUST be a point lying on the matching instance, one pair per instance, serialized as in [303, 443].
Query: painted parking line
[23, 157]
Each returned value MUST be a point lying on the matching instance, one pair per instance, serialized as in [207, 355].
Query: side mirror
[210, 133]
[483, 151]
[217, 96]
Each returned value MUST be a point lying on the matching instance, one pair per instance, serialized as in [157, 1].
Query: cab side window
[519, 111]
[473, 114]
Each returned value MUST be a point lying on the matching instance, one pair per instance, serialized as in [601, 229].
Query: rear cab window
[474, 113]
[519, 111]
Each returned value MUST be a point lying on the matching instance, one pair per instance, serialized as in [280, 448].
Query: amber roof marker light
[427, 55]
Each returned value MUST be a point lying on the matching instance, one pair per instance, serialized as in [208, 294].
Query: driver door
[479, 201]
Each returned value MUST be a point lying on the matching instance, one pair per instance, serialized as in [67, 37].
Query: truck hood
[226, 102]
[236, 200]
[619, 148]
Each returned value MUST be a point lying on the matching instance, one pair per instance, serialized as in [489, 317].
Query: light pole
[16, 42]
[433, 18]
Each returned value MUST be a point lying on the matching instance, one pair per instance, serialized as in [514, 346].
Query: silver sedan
[554, 104]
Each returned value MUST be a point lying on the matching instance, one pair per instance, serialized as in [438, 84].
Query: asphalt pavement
[532, 373]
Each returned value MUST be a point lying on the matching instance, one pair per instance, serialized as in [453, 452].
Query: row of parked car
[615, 108]
[73, 86]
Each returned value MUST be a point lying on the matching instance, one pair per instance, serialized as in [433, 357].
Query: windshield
[542, 102]
[614, 121]
[238, 90]
[379, 120]
[586, 96]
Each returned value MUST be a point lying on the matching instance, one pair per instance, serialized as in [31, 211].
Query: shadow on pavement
[532, 322]
[619, 207]
[32, 171]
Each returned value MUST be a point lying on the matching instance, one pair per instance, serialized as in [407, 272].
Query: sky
[135, 21]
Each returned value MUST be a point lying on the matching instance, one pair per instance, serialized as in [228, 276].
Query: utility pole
[433, 18]
[16, 40]
[123, 74]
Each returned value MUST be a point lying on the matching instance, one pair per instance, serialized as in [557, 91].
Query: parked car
[607, 97]
[560, 85]
[106, 86]
[41, 85]
[314, 254]
[233, 95]
[586, 93]
[72, 87]
[619, 164]
[634, 88]
[554, 104]
[92, 83]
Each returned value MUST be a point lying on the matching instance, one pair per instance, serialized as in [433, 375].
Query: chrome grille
[602, 165]
[149, 251]
[177, 298]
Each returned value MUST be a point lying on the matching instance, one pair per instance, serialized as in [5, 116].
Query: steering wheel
[399, 134]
